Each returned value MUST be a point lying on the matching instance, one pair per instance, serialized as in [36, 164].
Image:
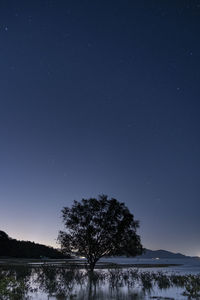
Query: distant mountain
[153, 254]
[24, 249]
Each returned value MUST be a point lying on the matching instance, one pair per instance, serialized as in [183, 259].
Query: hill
[24, 249]
[153, 254]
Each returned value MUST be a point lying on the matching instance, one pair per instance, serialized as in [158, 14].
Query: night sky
[101, 97]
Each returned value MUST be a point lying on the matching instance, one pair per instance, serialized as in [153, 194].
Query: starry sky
[101, 97]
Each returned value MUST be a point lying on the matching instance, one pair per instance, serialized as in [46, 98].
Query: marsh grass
[19, 282]
[192, 287]
[14, 283]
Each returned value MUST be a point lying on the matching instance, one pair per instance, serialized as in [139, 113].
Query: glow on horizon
[25, 236]
[48, 242]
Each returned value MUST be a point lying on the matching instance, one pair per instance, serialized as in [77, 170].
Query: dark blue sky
[101, 97]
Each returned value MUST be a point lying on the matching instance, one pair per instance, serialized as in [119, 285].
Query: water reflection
[76, 284]
[53, 282]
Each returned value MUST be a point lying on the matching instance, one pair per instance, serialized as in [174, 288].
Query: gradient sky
[101, 97]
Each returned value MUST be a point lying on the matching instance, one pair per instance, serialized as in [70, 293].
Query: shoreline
[58, 263]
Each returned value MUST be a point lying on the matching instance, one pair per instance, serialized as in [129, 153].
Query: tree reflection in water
[77, 284]
[61, 283]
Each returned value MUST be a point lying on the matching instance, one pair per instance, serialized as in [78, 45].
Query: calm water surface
[57, 283]
[186, 266]
[104, 291]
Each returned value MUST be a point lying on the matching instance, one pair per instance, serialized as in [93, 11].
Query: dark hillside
[24, 249]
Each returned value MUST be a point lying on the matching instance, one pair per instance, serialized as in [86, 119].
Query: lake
[54, 282]
[186, 266]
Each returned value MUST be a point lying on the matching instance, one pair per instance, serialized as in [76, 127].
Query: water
[57, 283]
[185, 266]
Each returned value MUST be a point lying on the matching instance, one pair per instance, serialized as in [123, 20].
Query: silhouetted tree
[99, 227]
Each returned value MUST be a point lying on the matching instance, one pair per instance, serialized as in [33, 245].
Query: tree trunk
[92, 263]
[91, 266]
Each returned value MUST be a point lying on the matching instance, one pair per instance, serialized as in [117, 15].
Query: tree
[99, 227]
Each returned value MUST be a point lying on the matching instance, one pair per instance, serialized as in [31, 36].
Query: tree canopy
[99, 227]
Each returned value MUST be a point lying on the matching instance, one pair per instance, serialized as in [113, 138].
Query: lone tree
[99, 227]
